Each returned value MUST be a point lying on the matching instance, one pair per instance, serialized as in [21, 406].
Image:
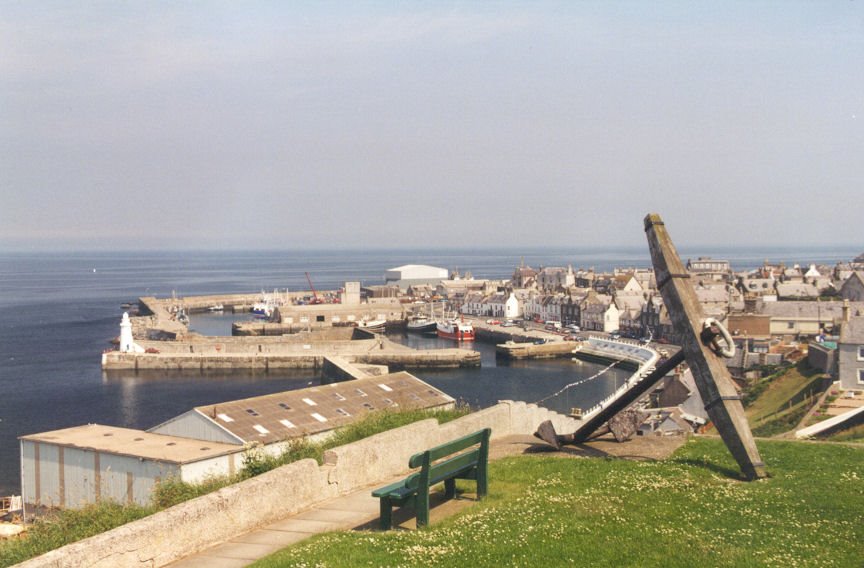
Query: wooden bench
[434, 469]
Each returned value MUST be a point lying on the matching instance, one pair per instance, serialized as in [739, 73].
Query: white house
[504, 305]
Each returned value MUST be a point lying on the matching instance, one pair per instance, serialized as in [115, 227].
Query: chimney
[846, 310]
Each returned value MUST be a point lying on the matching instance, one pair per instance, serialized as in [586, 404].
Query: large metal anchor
[704, 341]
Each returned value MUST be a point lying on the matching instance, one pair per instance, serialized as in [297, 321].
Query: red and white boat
[453, 329]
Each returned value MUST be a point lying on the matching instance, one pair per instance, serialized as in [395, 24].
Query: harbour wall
[549, 350]
[438, 359]
[265, 353]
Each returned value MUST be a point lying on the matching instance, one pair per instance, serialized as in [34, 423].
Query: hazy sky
[347, 124]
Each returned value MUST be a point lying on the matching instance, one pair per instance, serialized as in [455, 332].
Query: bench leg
[421, 506]
[449, 488]
[482, 480]
[386, 512]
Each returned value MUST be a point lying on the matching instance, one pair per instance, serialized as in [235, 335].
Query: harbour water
[59, 311]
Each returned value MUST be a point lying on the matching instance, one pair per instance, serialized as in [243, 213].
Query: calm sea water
[58, 312]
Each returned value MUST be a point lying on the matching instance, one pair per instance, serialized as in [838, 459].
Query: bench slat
[449, 468]
[449, 448]
[469, 464]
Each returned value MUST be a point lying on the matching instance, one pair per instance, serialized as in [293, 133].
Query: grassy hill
[777, 402]
[689, 510]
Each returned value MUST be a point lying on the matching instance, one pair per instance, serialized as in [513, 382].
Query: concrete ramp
[341, 369]
[827, 425]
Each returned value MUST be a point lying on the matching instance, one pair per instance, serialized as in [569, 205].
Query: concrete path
[359, 510]
[355, 511]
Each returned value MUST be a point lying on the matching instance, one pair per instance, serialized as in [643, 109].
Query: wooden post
[713, 380]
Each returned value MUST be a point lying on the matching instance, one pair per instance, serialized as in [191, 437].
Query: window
[861, 376]
[861, 352]
[790, 325]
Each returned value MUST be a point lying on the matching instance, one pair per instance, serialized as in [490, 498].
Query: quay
[304, 350]
[531, 350]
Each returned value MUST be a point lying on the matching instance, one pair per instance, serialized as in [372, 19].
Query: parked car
[614, 335]
[493, 322]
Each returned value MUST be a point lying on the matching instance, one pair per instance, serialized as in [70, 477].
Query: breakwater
[305, 350]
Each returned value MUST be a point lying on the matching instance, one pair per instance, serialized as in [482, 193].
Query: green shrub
[62, 527]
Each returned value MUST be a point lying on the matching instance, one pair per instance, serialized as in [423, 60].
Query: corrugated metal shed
[85, 464]
[134, 443]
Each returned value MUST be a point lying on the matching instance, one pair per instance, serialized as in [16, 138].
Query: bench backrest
[430, 471]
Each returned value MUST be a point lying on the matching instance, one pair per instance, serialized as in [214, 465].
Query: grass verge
[689, 510]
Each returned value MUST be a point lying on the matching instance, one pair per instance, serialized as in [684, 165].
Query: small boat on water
[375, 325]
[263, 309]
[421, 324]
[455, 329]
[216, 308]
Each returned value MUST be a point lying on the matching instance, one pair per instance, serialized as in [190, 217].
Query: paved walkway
[359, 510]
[351, 511]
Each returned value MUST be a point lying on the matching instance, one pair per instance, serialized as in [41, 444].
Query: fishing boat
[262, 309]
[455, 329]
[375, 325]
[421, 324]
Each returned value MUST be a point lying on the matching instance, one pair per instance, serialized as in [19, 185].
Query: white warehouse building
[416, 272]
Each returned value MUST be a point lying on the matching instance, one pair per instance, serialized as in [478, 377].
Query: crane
[315, 298]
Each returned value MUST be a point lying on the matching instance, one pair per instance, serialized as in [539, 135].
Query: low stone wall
[206, 521]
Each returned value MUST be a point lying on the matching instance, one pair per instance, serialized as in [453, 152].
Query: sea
[59, 311]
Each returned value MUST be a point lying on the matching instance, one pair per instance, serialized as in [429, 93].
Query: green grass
[66, 526]
[689, 510]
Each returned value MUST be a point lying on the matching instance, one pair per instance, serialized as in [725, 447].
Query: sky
[217, 125]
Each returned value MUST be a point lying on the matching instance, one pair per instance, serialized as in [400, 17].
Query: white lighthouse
[127, 344]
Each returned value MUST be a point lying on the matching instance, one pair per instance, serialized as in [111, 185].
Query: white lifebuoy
[729, 350]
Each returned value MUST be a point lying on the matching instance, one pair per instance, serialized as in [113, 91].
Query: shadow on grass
[726, 472]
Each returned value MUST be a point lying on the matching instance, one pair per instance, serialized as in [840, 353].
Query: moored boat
[372, 325]
[455, 329]
[421, 324]
[262, 310]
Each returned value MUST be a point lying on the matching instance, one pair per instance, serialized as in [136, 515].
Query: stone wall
[211, 519]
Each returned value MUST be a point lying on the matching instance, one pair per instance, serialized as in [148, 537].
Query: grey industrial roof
[290, 414]
[134, 443]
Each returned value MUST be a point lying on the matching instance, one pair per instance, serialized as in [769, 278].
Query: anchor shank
[709, 371]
